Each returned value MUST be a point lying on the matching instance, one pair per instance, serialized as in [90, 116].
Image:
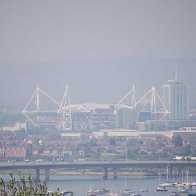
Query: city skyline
[100, 48]
[99, 86]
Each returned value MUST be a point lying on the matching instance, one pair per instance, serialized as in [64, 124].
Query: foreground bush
[22, 187]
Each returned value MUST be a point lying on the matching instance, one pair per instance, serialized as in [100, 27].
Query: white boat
[91, 194]
[183, 190]
[67, 193]
[167, 184]
[161, 188]
[113, 194]
[173, 194]
[194, 184]
[192, 193]
[94, 192]
[136, 194]
[126, 192]
[144, 190]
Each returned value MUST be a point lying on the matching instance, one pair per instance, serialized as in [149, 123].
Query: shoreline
[87, 172]
[78, 173]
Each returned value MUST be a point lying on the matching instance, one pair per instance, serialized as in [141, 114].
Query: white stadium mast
[68, 111]
[152, 102]
[34, 107]
[128, 101]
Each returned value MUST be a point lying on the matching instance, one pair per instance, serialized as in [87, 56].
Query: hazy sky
[100, 47]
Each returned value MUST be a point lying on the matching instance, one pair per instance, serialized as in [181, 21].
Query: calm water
[80, 184]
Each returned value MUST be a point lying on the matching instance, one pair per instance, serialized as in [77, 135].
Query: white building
[175, 98]
[17, 126]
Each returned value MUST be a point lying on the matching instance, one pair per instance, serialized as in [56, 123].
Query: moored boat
[113, 194]
[192, 193]
[126, 192]
[161, 188]
[183, 190]
[194, 184]
[167, 184]
[136, 194]
[173, 194]
[67, 193]
[144, 190]
[94, 192]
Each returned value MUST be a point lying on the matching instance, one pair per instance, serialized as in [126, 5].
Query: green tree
[29, 152]
[187, 150]
[112, 142]
[177, 140]
[22, 187]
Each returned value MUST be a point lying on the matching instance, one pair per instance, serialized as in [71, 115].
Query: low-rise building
[15, 152]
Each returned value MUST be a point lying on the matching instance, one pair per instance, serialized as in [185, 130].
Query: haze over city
[99, 48]
[98, 97]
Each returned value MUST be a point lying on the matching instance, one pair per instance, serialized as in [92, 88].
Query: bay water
[79, 184]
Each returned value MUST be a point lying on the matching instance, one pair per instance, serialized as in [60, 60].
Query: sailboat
[192, 193]
[185, 187]
[97, 191]
[168, 183]
[161, 187]
[113, 194]
[136, 194]
[94, 192]
[67, 193]
[126, 191]
[173, 194]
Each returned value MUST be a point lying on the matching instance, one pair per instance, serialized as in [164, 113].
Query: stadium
[42, 110]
